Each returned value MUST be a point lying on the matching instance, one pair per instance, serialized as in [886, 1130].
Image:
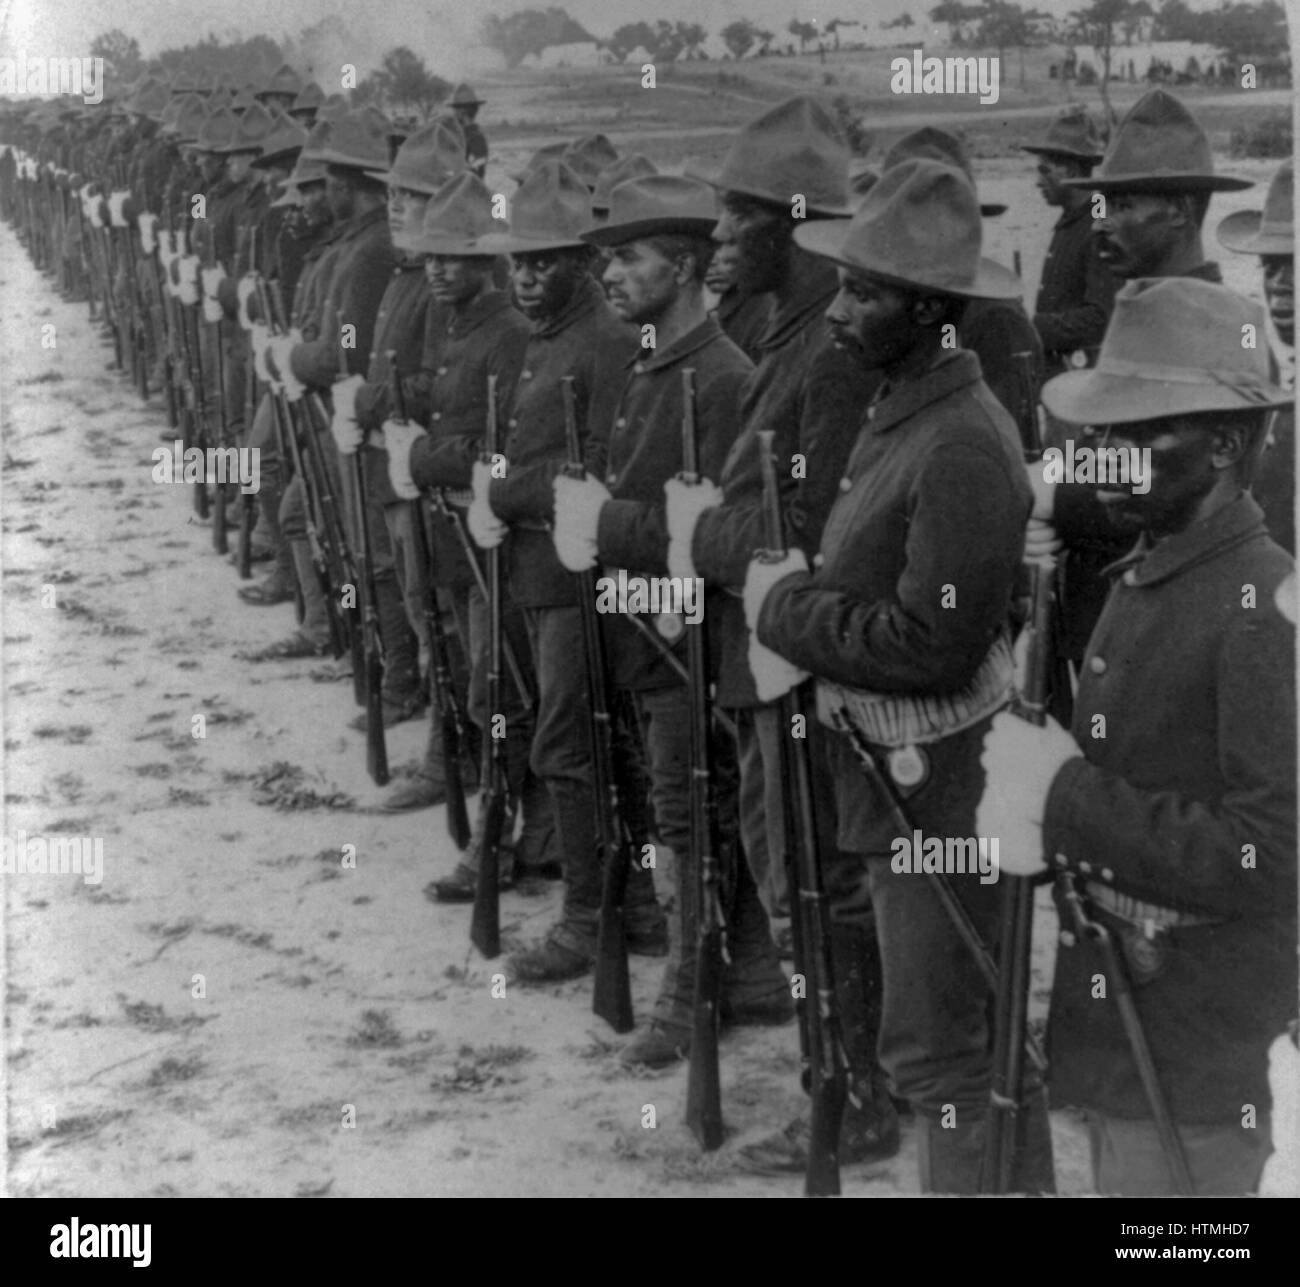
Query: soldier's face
[721, 276]
[456, 279]
[1051, 173]
[761, 236]
[315, 202]
[1134, 237]
[1279, 292]
[640, 281]
[405, 214]
[213, 165]
[238, 165]
[1182, 471]
[871, 320]
[544, 281]
[341, 196]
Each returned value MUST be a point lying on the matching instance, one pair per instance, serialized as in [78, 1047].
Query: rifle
[612, 995]
[820, 1031]
[704, 1084]
[452, 721]
[485, 924]
[199, 382]
[287, 427]
[247, 507]
[376, 749]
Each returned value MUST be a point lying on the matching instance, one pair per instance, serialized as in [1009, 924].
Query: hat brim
[1161, 183]
[278, 157]
[1241, 232]
[826, 239]
[395, 180]
[508, 243]
[345, 162]
[1098, 397]
[615, 234]
[1039, 150]
[714, 179]
[991, 209]
[291, 196]
[453, 247]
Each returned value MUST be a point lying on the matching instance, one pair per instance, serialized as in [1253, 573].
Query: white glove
[259, 336]
[188, 288]
[1020, 763]
[212, 279]
[399, 436]
[344, 393]
[115, 203]
[166, 246]
[578, 504]
[761, 576]
[685, 503]
[148, 222]
[245, 289]
[484, 526]
[87, 200]
[773, 675]
[281, 349]
[1281, 1178]
[347, 433]
[1041, 540]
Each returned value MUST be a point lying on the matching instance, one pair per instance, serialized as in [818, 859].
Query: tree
[765, 39]
[1132, 22]
[956, 16]
[802, 31]
[404, 81]
[530, 31]
[1098, 24]
[740, 37]
[121, 54]
[627, 37]
[903, 20]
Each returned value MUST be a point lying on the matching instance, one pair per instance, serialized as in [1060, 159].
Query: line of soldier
[910, 498]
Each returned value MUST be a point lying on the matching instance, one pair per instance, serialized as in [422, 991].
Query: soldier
[658, 234]
[632, 166]
[1076, 291]
[589, 157]
[574, 333]
[1178, 827]
[1269, 234]
[464, 105]
[904, 622]
[787, 168]
[473, 332]
[1156, 180]
[743, 316]
[281, 89]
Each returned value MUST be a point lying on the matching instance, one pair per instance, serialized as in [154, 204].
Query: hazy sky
[442, 31]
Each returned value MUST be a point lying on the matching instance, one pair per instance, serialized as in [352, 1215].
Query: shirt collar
[813, 292]
[954, 370]
[1148, 564]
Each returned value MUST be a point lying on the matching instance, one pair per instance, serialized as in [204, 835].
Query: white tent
[581, 53]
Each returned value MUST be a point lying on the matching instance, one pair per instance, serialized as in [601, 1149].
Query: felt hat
[464, 96]
[457, 217]
[427, 159]
[217, 130]
[1173, 346]
[656, 203]
[551, 211]
[358, 141]
[1158, 147]
[588, 156]
[284, 80]
[938, 145]
[251, 132]
[1071, 134]
[1270, 231]
[632, 166]
[308, 99]
[547, 152]
[286, 139]
[918, 227]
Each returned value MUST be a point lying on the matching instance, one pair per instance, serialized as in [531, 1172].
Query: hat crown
[552, 204]
[1159, 136]
[284, 80]
[795, 149]
[359, 140]
[1073, 133]
[190, 119]
[460, 211]
[218, 129]
[919, 224]
[633, 166]
[588, 156]
[1279, 203]
[464, 95]
[310, 97]
[933, 144]
[254, 126]
[668, 197]
[429, 157]
[286, 136]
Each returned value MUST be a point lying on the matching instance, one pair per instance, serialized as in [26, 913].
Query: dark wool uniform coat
[587, 341]
[645, 451]
[920, 555]
[1197, 768]
[448, 395]
[1076, 293]
[813, 397]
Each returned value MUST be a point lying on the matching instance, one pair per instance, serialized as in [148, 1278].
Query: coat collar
[693, 341]
[586, 299]
[953, 371]
[1239, 521]
[816, 286]
[487, 306]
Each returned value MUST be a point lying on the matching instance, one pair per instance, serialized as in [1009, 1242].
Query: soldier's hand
[1041, 541]
[684, 503]
[578, 503]
[1044, 492]
[1020, 762]
[399, 437]
[762, 575]
[484, 526]
[344, 394]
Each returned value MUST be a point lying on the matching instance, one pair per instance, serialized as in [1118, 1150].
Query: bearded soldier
[1171, 810]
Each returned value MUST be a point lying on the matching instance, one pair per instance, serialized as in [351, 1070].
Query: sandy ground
[324, 988]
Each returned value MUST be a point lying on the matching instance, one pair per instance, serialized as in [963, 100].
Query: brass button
[525, 375]
[1130, 576]
[846, 484]
[437, 415]
[620, 423]
[611, 478]
[818, 560]
[514, 424]
[442, 370]
[1097, 665]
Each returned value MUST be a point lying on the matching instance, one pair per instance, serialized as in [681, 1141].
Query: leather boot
[950, 1158]
[315, 621]
[537, 848]
[755, 989]
[427, 786]
[401, 648]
